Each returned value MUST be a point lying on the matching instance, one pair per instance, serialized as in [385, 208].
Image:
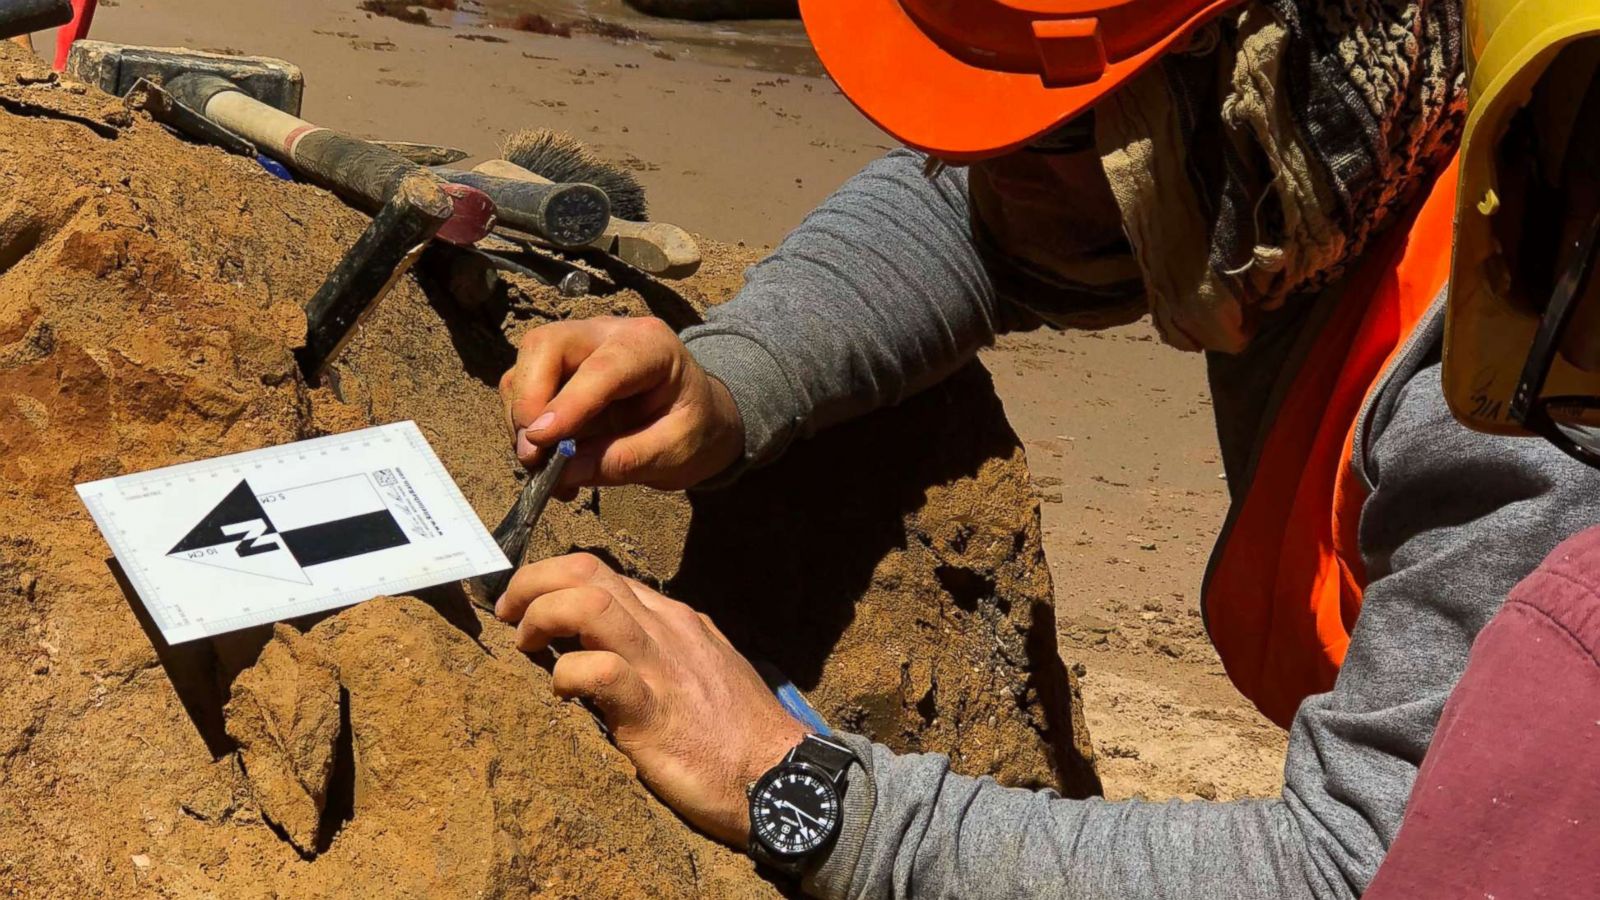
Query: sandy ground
[740, 153]
[1123, 452]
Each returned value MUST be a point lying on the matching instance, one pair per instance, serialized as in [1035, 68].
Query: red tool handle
[78, 29]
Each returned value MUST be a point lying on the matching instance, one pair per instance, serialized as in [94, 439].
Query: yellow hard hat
[1533, 114]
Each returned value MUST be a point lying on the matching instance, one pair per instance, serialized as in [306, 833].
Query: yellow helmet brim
[1511, 46]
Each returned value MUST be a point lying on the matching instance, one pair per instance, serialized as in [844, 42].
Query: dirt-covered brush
[564, 159]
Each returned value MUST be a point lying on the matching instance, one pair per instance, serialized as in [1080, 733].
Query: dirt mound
[149, 298]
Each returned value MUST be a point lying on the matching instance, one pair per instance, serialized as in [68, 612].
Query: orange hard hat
[967, 79]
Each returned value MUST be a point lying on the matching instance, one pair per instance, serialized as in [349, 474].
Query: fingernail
[525, 447]
[542, 422]
[499, 607]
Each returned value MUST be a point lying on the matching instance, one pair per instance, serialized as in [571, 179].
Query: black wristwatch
[796, 809]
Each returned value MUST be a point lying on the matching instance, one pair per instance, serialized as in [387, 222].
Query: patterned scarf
[1250, 168]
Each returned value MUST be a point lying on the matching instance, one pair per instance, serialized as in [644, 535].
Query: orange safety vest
[1285, 583]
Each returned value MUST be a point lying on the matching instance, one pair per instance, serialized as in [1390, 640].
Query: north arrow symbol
[240, 535]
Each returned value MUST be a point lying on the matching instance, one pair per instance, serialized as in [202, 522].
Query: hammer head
[115, 68]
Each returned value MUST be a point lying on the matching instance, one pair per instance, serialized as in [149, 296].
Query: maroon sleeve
[1507, 803]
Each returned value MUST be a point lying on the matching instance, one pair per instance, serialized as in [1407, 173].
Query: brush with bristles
[513, 531]
[659, 248]
[566, 160]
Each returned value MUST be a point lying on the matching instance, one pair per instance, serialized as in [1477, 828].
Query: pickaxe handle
[364, 173]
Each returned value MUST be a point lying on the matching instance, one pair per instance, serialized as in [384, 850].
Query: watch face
[794, 810]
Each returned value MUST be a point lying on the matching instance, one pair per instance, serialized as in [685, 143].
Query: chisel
[660, 249]
[513, 531]
[565, 215]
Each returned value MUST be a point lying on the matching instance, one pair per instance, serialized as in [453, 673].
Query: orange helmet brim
[928, 99]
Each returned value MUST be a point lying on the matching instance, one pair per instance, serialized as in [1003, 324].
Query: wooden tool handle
[566, 215]
[362, 172]
[654, 247]
[27, 16]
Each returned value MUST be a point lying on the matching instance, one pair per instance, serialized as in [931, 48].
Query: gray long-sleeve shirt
[881, 292]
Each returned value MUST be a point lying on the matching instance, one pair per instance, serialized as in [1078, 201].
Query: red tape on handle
[472, 218]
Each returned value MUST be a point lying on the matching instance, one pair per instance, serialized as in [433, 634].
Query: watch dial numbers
[795, 813]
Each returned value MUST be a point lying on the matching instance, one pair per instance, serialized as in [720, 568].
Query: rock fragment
[285, 714]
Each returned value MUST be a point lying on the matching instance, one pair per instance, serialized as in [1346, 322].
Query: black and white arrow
[279, 534]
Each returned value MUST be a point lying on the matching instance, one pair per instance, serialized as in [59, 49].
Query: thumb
[654, 456]
[641, 457]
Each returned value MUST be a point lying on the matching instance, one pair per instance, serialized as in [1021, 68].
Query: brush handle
[543, 483]
[654, 247]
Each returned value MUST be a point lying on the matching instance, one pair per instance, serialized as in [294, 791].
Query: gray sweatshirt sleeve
[1454, 520]
[878, 294]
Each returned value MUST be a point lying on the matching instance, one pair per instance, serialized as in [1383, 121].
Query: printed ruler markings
[281, 455]
[463, 509]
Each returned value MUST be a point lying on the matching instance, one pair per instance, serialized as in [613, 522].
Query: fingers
[638, 356]
[681, 615]
[575, 378]
[715, 632]
[546, 355]
[548, 576]
[608, 681]
[599, 619]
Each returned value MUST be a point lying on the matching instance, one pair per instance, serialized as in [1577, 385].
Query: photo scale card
[221, 544]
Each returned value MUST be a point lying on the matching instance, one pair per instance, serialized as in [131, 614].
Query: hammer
[364, 173]
[245, 104]
[367, 173]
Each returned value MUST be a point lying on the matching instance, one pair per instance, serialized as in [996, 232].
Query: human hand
[693, 715]
[643, 409]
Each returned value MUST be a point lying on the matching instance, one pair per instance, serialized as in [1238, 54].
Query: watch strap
[790, 867]
[833, 874]
[828, 755]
